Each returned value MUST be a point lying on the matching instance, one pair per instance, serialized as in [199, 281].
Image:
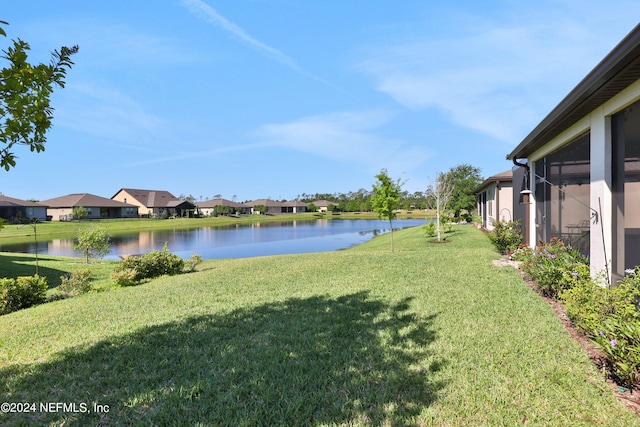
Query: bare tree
[439, 195]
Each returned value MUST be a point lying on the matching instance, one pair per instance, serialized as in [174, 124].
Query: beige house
[154, 203]
[495, 199]
[323, 205]
[273, 207]
[61, 208]
[208, 207]
[581, 165]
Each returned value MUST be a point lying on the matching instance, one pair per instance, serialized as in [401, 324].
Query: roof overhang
[619, 69]
[506, 176]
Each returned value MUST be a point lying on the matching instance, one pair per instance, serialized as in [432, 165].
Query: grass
[428, 335]
[52, 267]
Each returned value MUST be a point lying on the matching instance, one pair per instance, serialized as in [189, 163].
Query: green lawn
[432, 334]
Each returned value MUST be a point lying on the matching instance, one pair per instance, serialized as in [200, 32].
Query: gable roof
[12, 202]
[506, 176]
[295, 203]
[154, 198]
[85, 200]
[619, 69]
[265, 202]
[218, 202]
[323, 203]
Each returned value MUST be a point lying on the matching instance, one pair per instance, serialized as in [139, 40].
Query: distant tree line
[464, 178]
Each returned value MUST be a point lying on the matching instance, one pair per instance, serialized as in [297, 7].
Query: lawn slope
[432, 334]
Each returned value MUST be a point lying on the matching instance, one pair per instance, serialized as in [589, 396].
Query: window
[625, 127]
[491, 197]
[562, 191]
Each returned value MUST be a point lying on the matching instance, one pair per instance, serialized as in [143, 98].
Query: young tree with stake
[93, 241]
[386, 198]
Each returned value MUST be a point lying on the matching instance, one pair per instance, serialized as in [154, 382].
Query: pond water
[235, 241]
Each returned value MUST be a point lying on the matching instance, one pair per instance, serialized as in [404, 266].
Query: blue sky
[274, 98]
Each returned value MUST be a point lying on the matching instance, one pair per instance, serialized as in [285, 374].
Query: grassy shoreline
[428, 335]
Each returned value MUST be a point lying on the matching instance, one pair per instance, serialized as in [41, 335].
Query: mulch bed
[629, 398]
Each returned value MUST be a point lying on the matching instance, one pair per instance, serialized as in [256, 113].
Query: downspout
[526, 177]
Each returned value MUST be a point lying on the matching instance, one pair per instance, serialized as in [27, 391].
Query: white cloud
[107, 113]
[209, 14]
[349, 137]
[112, 45]
[198, 154]
[498, 79]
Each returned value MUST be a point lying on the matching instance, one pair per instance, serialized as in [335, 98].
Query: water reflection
[234, 241]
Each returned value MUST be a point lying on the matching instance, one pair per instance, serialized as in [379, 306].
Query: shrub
[446, 224]
[586, 306]
[619, 340]
[556, 267]
[23, 292]
[154, 264]
[523, 253]
[611, 317]
[430, 229]
[75, 283]
[124, 277]
[191, 264]
[506, 236]
[589, 304]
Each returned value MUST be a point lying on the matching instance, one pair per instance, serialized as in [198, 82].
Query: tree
[93, 241]
[465, 179]
[261, 209]
[439, 194]
[386, 198]
[79, 213]
[221, 210]
[189, 198]
[25, 91]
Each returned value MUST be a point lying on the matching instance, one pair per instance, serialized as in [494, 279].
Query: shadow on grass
[350, 360]
[15, 266]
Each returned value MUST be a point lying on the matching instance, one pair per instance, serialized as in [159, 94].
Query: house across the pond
[274, 207]
[17, 211]
[210, 207]
[323, 205]
[155, 203]
[61, 208]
